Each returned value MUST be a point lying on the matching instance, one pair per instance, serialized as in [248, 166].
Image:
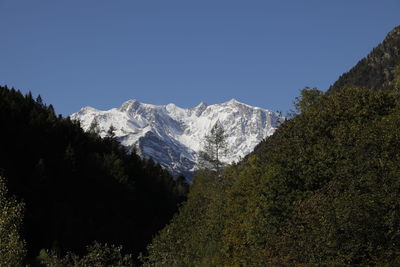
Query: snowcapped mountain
[173, 136]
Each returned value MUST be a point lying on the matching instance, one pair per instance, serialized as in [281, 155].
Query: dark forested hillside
[322, 191]
[378, 69]
[78, 188]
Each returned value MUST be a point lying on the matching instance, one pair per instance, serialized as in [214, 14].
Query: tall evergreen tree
[214, 148]
[94, 127]
[111, 132]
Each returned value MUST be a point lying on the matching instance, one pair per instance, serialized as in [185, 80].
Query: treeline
[324, 190]
[79, 188]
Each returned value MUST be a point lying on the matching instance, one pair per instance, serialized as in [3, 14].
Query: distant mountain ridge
[172, 136]
[377, 70]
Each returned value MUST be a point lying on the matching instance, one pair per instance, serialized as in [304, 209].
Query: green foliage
[98, 255]
[322, 191]
[113, 164]
[397, 77]
[12, 247]
[307, 98]
[194, 234]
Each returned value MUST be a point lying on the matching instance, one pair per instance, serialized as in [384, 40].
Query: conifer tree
[111, 131]
[39, 100]
[214, 147]
[94, 127]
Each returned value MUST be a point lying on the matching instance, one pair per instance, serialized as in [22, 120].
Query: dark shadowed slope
[377, 70]
[78, 187]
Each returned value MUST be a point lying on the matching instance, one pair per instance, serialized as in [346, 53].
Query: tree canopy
[323, 190]
[12, 246]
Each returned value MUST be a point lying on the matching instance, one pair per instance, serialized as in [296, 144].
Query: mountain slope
[172, 136]
[377, 70]
[322, 191]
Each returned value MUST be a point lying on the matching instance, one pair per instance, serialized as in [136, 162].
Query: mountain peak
[89, 108]
[173, 136]
[129, 105]
[233, 101]
[86, 110]
[171, 106]
[200, 108]
[201, 104]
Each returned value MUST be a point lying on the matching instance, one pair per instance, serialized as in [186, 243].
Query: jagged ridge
[172, 136]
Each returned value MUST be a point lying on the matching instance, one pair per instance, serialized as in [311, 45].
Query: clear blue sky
[98, 53]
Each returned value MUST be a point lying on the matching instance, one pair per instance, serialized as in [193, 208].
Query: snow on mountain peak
[200, 108]
[128, 105]
[233, 101]
[88, 110]
[173, 136]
